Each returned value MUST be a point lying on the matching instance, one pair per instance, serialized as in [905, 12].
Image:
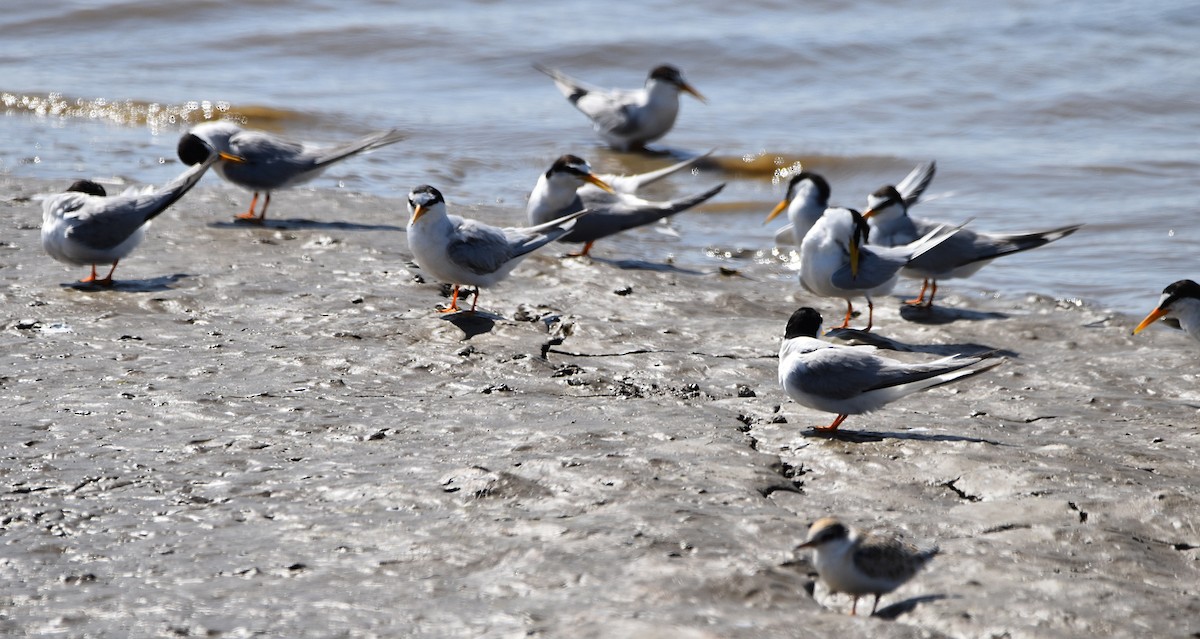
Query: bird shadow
[871, 436]
[893, 611]
[936, 315]
[150, 285]
[473, 323]
[296, 224]
[643, 265]
[856, 336]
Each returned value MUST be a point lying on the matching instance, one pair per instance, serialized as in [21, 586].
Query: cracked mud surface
[269, 431]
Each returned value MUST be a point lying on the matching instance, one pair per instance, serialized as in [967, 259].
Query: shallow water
[1038, 114]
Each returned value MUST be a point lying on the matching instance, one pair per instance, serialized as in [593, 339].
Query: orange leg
[250, 216]
[454, 302]
[586, 249]
[921, 297]
[107, 280]
[932, 294]
[834, 426]
[849, 314]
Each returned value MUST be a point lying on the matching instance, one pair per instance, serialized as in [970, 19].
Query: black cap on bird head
[87, 186]
[193, 150]
[804, 322]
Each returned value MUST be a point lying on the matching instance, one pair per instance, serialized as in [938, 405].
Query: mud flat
[268, 431]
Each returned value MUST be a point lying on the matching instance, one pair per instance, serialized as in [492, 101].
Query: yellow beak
[418, 211]
[688, 88]
[1154, 316]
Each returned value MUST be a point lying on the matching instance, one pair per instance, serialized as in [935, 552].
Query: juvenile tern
[851, 380]
[959, 256]
[862, 563]
[836, 260]
[263, 162]
[808, 196]
[628, 119]
[466, 252]
[570, 185]
[84, 226]
[1179, 305]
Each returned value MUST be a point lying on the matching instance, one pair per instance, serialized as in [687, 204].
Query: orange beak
[1154, 316]
[779, 208]
[598, 182]
[688, 88]
[418, 211]
[229, 157]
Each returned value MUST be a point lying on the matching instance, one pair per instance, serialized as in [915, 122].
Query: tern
[628, 119]
[862, 563]
[808, 196]
[85, 226]
[1180, 306]
[466, 252]
[836, 260]
[262, 162]
[851, 380]
[570, 185]
[960, 256]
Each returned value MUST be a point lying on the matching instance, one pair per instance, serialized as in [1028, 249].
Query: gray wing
[368, 143]
[876, 265]
[915, 183]
[480, 248]
[270, 161]
[613, 214]
[609, 112]
[842, 372]
[847, 372]
[889, 559]
[105, 222]
[967, 246]
[571, 88]
[631, 183]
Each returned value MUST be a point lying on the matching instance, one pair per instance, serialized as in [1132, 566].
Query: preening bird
[959, 256]
[85, 226]
[263, 162]
[570, 185]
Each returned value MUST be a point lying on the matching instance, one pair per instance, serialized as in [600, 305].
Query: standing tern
[851, 380]
[628, 119]
[808, 196]
[570, 185]
[466, 252]
[862, 563]
[960, 256]
[262, 162]
[836, 260]
[84, 226]
[1179, 305]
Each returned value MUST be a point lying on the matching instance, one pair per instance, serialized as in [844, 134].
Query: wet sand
[270, 432]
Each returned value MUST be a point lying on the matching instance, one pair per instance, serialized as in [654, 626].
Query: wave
[138, 113]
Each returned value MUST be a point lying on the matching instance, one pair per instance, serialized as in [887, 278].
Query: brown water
[1038, 114]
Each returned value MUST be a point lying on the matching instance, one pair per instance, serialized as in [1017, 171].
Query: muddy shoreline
[270, 432]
